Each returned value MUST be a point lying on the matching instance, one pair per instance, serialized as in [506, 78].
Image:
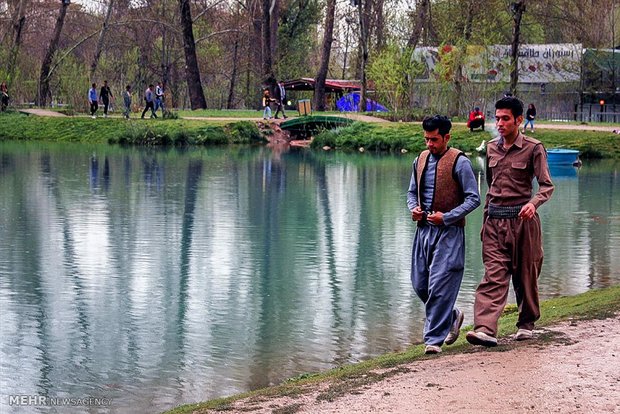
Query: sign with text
[556, 62]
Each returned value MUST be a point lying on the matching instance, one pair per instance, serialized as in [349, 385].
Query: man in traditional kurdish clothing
[511, 233]
[442, 191]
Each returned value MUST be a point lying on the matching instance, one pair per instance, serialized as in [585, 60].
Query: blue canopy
[350, 103]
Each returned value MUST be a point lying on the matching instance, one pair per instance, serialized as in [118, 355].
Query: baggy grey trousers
[437, 263]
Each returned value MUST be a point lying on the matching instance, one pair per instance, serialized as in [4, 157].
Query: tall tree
[517, 9]
[19, 21]
[422, 24]
[319, 87]
[363, 9]
[266, 44]
[192, 72]
[102, 33]
[44, 78]
[469, 7]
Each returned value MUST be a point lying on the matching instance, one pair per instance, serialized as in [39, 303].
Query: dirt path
[358, 117]
[41, 112]
[573, 127]
[569, 368]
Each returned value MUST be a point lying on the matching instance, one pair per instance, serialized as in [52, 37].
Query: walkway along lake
[156, 278]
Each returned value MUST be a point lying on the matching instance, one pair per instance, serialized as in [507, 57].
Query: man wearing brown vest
[511, 232]
[442, 191]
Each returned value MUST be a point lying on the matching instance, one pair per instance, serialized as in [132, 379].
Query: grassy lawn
[394, 136]
[594, 304]
[409, 136]
[118, 130]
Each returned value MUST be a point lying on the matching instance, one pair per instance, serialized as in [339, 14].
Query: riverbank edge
[405, 137]
[361, 136]
[138, 132]
[345, 379]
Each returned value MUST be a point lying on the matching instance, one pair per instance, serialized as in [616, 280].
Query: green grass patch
[594, 304]
[132, 132]
[398, 136]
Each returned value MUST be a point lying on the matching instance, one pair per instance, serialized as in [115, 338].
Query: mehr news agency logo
[47, 401]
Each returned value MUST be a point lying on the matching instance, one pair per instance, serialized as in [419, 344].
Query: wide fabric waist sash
[504, 212]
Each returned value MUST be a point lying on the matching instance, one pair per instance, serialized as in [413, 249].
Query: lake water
[154, 278]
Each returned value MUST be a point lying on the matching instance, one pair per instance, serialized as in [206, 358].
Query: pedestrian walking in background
[93, 100]
[159, 98]
[149, 99]
[105, 94]
[267, 104]
[127, 101]
[280, 98]
[4, 96]
[530, 115]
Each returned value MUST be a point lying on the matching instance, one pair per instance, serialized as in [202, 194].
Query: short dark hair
[440, 122]
[512, 103]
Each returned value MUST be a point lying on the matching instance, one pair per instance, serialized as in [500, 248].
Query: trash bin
[303, 106]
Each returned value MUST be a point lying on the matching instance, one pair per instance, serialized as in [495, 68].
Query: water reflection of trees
[180, 271]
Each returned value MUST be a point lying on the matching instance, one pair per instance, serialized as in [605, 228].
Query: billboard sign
[556, 62]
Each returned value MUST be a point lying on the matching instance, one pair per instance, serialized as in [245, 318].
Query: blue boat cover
[350, 103]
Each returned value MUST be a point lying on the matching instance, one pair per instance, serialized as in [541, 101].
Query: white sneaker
[432, 349]
[480, 338]
[524, 334]
[455, 329]
[105, 115]
[94, 117]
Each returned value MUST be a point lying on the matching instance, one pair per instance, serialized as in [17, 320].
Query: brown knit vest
[448, 193]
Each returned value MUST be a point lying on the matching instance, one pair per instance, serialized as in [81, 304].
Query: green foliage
[297, 39]
[389, 71]
[244, 132]
[170, 114]
[395, 137]
[371, 137]
[72, 83]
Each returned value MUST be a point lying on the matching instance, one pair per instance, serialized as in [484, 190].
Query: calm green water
[156, 278]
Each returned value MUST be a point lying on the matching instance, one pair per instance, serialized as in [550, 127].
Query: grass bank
[133, 132]
[398, 136]
[595, 304]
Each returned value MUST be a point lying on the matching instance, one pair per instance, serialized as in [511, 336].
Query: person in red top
[476, 119]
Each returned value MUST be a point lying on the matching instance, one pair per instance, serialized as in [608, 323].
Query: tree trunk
[233, 75]
[517, 9]
[380, 24]
[363, 8]
[274, 17]
[18, 26]
[266, 43]
[459, 78]
[346, 51]
[421, 18]
[44, 81]
[192, 72]
[104, 30]
[319, 86]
